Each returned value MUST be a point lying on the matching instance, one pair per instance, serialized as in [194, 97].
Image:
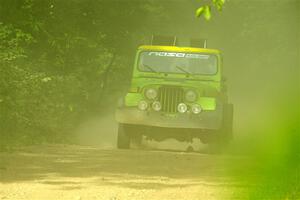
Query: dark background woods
[54, 58]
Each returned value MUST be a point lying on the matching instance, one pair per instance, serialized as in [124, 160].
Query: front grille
[170, 97]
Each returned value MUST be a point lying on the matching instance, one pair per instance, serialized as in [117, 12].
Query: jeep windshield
[180, 63]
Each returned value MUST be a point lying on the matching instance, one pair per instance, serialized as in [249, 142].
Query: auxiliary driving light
[191, 96]
[196, 109]
[182, 107]
[151, 93]
[156, 106]
[143, 105]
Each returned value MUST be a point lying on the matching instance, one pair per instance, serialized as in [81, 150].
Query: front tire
[224, 135]
[226, 130]
[123, 141]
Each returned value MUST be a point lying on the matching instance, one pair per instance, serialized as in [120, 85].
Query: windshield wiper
[183, 70]
[150, 68]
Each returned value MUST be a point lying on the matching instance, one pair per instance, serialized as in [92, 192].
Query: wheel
[123, 141]
[224, 134]
[226, 130]
[135, 138]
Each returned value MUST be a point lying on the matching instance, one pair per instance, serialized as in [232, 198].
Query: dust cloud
[260, 45]
[98, 131]
[102, 132]
[174, 145]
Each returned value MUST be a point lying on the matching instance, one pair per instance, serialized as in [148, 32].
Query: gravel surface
[87, 173]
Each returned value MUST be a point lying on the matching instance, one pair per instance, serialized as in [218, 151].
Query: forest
[63, 60]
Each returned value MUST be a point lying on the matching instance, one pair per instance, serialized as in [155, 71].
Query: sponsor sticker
[178, 55]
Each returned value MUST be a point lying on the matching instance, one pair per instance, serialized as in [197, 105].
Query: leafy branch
[205, 10]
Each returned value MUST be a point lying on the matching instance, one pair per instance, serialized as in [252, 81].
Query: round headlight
[196, 109]
[182, 107]
[156, 106]
[143, 105]
[190, 96]
[151, 93]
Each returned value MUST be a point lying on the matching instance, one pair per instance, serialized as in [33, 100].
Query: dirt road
[87, 173]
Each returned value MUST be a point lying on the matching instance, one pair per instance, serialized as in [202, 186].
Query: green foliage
[33, 105]
[61, 61]
[219, 4]
[11, 41]
[199, 11]
[205, 10]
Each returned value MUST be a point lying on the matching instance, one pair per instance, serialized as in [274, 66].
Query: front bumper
[210, 120]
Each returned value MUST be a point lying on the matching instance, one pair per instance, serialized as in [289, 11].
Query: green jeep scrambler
[176, 92]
